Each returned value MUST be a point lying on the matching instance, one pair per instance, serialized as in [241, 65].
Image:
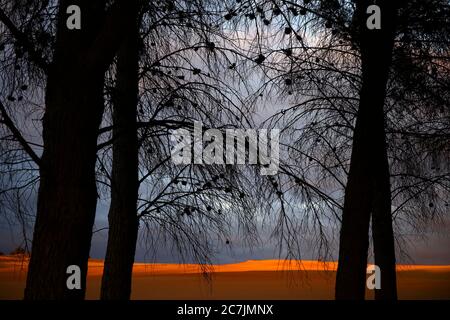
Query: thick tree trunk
[123, 221]
[67, 194]
[74, 106]
[368, 187]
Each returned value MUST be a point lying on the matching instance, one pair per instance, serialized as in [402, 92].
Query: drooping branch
[17, 135]
[22, 38]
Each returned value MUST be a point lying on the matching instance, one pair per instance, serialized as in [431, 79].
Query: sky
[431, 248]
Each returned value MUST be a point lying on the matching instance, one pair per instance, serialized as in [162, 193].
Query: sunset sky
[431, 249]
[245, 280]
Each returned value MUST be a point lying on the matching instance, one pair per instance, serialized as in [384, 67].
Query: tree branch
[17, 135]
[35, 56]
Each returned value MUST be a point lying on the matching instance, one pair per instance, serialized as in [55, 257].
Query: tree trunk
[67, 193]
[368, 186]
[123, 221]
[354, 237]
[383, 234]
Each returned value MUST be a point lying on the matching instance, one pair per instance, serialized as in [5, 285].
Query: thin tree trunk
[368, 187]
[123, 221]
[383, 234]
[354, 237]
[67, 193]
[382, 230]
[379, 58]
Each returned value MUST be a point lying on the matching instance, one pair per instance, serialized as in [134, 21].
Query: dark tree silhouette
[67, 194]
[122, 217]
[169, 100]
[325, 75]
[73, 111]
[369, 107]
[368, 187]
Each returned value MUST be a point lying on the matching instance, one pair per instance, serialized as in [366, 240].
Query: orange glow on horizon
[249, 280]
[19, 264]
